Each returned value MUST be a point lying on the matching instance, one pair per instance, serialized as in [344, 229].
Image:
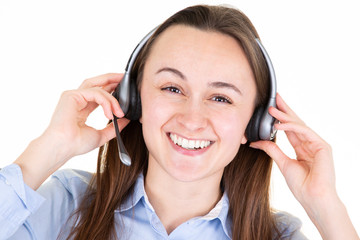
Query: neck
[176, 202]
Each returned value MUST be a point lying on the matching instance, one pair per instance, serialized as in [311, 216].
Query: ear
[244, 140]
[140, 119]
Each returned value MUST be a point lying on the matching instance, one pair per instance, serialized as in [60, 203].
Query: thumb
[273, 150]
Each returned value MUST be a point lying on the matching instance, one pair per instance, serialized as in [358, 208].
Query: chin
[190, 172]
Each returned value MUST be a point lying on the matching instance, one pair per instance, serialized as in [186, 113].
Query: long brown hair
[246, 179]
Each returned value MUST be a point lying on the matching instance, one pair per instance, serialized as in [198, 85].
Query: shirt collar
[220, 211]
[138, 194]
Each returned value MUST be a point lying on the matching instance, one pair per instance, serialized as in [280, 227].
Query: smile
[189, 144]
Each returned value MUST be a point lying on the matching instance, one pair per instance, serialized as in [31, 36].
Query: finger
[87, 98]
[102, 80]
[271, 149]
[282, 106]
[303, 132]
[110, 87]
[294, 138]
[108, 132]
[279, 115]
[109, 104]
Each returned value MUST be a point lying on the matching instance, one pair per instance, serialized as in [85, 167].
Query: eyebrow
[172, 70]
[217, 84]
[225, 85]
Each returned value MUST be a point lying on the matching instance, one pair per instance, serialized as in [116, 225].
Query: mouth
[189, 144]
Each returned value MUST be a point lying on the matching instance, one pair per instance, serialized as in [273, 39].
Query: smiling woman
[193, 172]
[194, 111]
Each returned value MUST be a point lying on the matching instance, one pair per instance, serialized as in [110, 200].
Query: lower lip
[187, 151]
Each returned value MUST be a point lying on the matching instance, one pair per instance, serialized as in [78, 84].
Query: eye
[171, 89]
[221, 99]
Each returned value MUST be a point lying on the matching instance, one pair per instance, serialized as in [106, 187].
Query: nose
[193, 116]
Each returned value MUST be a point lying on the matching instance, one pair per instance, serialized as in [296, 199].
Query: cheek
[233, 122]
[153, 109]
[151, 120]
[230, 129]
[155, 113]
[233, 135]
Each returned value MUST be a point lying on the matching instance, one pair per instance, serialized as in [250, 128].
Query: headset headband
[266, 129]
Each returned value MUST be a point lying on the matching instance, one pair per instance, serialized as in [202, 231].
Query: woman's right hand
[68, 124]
[67, 134]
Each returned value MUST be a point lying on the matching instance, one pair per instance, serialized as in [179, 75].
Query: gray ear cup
[253, 127]
[261, 125]
[134, 111]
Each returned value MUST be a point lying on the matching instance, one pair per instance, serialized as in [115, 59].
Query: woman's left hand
[310, 176]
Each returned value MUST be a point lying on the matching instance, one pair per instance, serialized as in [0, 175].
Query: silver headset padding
[266, 128]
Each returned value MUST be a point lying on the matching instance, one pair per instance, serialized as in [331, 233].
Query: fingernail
[119, 114]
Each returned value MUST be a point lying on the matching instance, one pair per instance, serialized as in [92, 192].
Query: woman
[193, 173]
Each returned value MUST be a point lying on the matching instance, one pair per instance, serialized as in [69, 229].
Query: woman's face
[198, 94]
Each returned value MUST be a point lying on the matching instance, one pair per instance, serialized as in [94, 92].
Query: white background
[47, 47]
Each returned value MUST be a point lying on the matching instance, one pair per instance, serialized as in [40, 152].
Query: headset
[260, 126]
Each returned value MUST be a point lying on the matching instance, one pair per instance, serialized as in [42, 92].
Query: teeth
[188, 144]
[197, 144]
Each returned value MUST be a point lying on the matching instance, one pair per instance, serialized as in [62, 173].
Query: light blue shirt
[46, 213]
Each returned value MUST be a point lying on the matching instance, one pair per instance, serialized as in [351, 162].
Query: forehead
[199, 51]
[193, 40]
